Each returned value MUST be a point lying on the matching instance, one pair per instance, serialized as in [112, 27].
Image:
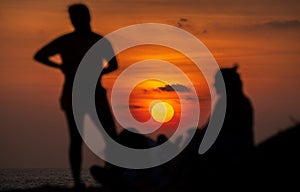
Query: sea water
[33, 178]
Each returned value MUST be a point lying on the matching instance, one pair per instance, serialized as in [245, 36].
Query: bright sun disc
[161, 112]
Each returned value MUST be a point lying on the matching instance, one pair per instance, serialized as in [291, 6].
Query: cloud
[145, 91]
[283, 24]
[135, 107]
[182, 22]
[190, 98]
[266, 26]
[187, 24]
[174, 87]
[182, 19]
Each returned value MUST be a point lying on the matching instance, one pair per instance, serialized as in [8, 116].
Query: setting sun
[161, 111]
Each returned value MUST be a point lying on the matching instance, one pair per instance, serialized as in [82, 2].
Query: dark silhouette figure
[72, 47]
[226, 161]
[161, 138]
[168, 170]
[115, 178]
[235, 140]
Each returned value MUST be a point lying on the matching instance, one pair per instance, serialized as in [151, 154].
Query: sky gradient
[262, 36]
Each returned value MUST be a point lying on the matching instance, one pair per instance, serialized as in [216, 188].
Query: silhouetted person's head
[130, 138]
[161, 139]
[80, 17]
[232, 80]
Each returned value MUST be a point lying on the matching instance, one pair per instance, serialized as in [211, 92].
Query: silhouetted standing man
[72, 47]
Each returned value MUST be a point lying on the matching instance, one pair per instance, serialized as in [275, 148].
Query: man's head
[80, 16]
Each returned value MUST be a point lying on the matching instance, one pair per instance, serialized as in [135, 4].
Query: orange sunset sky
[262, 36]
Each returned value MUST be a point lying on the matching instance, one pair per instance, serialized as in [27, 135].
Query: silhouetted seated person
[122, 179]
[187, 169]
[226, 160]
[168, 170]
[235, 142]
[71, 48]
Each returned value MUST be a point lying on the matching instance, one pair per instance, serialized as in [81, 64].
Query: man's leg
[75, 150]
